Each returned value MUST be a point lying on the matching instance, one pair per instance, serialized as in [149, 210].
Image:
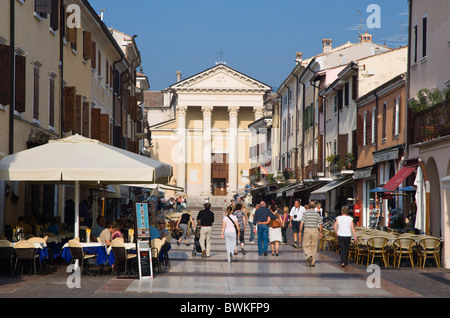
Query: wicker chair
[378, 247]
[77, 252]
[429, 248]
[362, 249]
[403, 247]
[120, 253]
[26, 251]
[7, 253]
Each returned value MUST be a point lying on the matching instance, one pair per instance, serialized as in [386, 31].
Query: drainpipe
[12, 93]
[62, 25]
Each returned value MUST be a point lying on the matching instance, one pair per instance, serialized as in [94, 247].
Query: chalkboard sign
[145, 260]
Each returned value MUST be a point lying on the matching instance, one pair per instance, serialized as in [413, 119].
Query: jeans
[252, 234]
[263, 238]
[230, 243]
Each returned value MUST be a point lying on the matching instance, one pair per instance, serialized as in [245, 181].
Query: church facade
[206, 136]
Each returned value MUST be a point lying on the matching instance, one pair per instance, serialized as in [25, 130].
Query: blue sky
[258, 37]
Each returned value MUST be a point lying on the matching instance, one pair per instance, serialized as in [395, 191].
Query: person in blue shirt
[262, 219]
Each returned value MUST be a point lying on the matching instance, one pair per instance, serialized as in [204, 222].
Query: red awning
[404, 173]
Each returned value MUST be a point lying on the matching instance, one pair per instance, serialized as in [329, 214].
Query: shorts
[296, 226]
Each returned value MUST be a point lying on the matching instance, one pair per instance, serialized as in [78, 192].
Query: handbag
[275, 224]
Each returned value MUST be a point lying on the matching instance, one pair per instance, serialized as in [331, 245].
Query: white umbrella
[78, 159]
[420, 201]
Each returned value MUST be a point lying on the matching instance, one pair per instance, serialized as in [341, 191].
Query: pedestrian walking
[183, 225]
[252, 224]
[275, 231]
[262, 219]
[295, 219]
[344, 228]
[205, 220]
[230, 232]
[312, 224]
[285, 224]
[239, 213]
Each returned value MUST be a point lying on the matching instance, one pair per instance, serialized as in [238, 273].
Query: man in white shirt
[295, 219]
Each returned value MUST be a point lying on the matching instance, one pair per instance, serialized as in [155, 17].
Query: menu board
[145, 260]
[142, 222]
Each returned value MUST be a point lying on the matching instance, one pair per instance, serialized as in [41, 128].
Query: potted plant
[349, 158]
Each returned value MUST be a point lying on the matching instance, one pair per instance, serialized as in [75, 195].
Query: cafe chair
[26, 251]
[429, 248]
[327, 238]
[7, 254]
[403, 247]
[378, 247]
[120, 253]
[77, 252]
[156, 246]
[38, 239]
[362, 250]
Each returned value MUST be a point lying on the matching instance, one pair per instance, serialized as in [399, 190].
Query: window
[347, 94]
[415, 44]
[36, 94]
[365, 129]
[397, 117]
[335, 103]
[373, 123]
[424, 36]
[384, 120]
[42, 8]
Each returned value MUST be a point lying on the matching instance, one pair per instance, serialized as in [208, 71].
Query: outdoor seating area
[389, 248]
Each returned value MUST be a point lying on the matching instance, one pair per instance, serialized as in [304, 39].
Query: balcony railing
[336, 168]
[432, 123]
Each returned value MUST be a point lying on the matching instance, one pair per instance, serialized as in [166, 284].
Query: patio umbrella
[76, 160]
[419, 182]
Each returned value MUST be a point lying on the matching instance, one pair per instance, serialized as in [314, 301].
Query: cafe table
[89, 248]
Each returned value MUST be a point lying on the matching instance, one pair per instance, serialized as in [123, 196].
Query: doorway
[219, 174]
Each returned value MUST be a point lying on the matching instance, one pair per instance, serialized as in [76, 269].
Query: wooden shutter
[69, 108]
[87, 49]
[99, 63]
[20, 81]
[72, 35]
[95, 123]
[369, 127]
[107, 72]
[54, 21]
[340, 99]
[343, 145]
[36, 94]
[86, 115]
[355, 87]
[5, 71]
[52, 103]
[320, 154]
[77, 125]
[94, 55]
[43, 7]
[359, 130]
[133, 108]
[104, 128]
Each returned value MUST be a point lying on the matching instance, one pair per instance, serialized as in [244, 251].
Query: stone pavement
[249, 276]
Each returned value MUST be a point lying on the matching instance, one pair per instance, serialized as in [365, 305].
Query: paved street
[248, 276]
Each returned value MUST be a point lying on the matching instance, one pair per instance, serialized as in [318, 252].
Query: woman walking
[183, 226]
[241, 216]
[230, 231]
[275, 231]
[344, 228]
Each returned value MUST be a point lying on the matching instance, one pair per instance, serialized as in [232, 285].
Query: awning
[321, 194]
[404, 173]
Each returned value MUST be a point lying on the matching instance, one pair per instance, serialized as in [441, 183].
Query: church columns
[182, 144]
[233, 150]
[207, 148]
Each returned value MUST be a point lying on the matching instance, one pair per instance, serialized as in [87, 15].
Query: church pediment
[220, 78]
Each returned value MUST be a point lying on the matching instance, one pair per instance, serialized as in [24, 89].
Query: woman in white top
[344, 228]
[229, 227]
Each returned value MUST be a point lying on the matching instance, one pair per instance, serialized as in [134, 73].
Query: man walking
[312, 222]
[262, 219]
[205, 220]
[295, 219]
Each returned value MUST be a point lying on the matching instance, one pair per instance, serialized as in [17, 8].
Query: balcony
[341, 165]
[432, 122]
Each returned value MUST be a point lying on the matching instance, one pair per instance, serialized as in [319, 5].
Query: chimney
[178, 76]
[365, 37]
[327, 45]
[298, 57]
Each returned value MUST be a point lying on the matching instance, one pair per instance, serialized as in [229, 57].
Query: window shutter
[107, 72]
[54, 21]
[43, 7]
[369, 128]
[320, 154]
[77, 126]
[86, 113]
[20, 83]
[5, 71]
[343, 145]
[355, 87]
[69, 108]
[52, 103]
[36, 94]
[94, 55]
[104, 128]
[99, 63]
[87, 50]
[72, 35]
[95, 123]
[359, 130]
[340, 99]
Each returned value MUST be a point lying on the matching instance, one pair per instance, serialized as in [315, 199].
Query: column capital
[181, 111]
[207, 111]
[259, 112]
[233, 111]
